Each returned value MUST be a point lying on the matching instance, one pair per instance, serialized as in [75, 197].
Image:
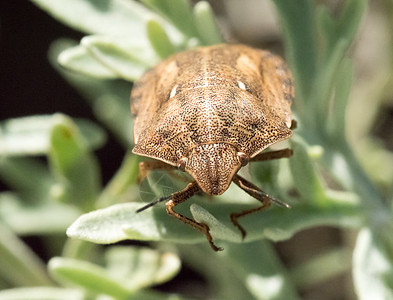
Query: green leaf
[74, 164]
[17, 172]
[333, 263]
[30, 135]
[307, 181]
[121, 222]
[108, 58]
[372, 270]
[337, 36]
[206, 25]
[258, 266]
[178, 12]
[80, 60]
[297, 21]
[35, 219]
[122, 185]
[159, 6]
[129, 59]
[337, 118]
[159, 39]
[88, 276]
[18, 264]
[266, 173]
[113, 17]
[324, 83]
[108, 98]
[138, 268]
[42, 293]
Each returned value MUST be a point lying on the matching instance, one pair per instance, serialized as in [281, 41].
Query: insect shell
[208, 112]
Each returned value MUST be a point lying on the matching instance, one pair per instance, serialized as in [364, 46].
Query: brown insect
[208, 112]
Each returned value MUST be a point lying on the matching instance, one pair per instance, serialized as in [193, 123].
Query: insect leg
[179, 197]
[255, 192]
[146, 166]
[293, 124]
[273, 155]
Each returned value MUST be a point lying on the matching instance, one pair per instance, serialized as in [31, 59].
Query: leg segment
[146, 166]
[179, 197]
[293, 124]
[273, 155]
[253, 191]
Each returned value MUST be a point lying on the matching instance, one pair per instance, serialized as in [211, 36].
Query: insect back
[208, 112]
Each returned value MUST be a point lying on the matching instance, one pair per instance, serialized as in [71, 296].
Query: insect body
[208, 112]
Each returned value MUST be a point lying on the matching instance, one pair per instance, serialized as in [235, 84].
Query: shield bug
[209, 112]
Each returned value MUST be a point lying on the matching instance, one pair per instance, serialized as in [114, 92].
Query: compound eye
[181, 164]
[243, 158]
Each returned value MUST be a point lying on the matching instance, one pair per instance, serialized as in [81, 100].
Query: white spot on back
[173, 92]
[241, 85]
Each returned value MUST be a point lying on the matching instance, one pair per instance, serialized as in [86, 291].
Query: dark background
[28, 83]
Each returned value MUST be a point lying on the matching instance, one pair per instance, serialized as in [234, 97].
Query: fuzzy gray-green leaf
[112, 17]
[87, 275]
[159, 39]
[138, 267]
[372, 270]
[42, 293]
[206, 25]
[80, 60]
[74, 164]
[30, 135]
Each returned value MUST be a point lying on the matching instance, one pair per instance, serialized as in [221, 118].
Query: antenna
[153, 203]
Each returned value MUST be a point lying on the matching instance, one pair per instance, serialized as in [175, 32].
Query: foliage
[125, 38]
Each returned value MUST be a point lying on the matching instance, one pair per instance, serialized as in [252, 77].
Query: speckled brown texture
[208, 104]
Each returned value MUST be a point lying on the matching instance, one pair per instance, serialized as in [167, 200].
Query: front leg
[179, 197]
[283, 153]
[146, 166]
[258, 194]
[176, 198]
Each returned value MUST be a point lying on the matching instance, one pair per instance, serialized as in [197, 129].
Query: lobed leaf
[121, 222]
